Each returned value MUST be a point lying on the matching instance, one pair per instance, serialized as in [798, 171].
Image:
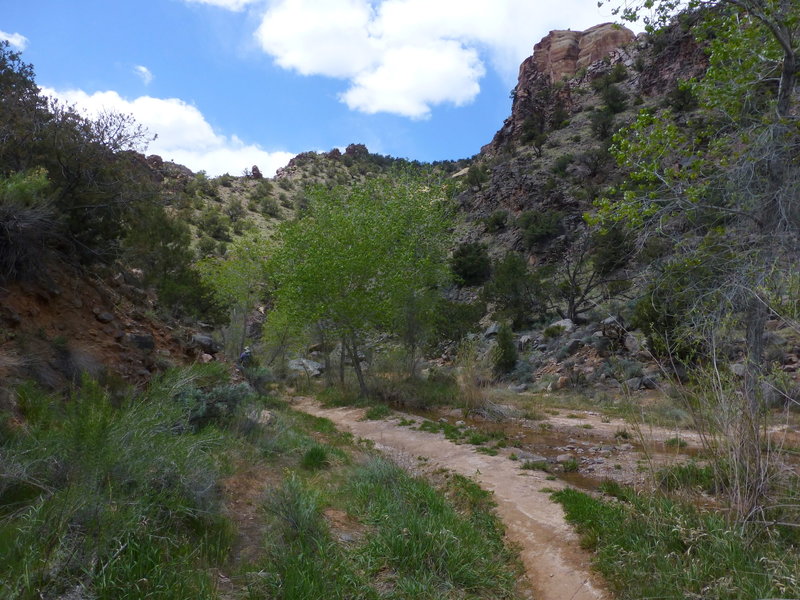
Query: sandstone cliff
[563, 53]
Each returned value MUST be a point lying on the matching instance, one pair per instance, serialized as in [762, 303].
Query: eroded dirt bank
[556, 565]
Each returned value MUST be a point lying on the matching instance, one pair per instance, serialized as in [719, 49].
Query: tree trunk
[362, 384]
[787, 84]
[755, 326]
[342, 355]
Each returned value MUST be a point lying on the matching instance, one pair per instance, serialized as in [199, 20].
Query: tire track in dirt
[557, 567]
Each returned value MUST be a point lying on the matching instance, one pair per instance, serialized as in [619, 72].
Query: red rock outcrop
[563, 53]
[560, 55]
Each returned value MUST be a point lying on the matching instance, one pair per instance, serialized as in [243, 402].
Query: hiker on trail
[246, 357]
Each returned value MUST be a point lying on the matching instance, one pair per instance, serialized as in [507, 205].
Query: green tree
[471, 264]
[357, 254]
[240, 281]
[515, 290]
[97, 179]
[723, 187]
[504, 353]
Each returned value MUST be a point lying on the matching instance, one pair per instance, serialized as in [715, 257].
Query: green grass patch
[486, 450]
[377, 412]
[476, 438]
[687, 476]
[622, 434]
[315, 458]
[535, 465]
[118, 498]
[570, 466]
[653, 547]
[451, 432]
[431, 549]
[676, 442]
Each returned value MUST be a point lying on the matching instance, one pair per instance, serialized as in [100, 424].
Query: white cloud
[405, 56]
[398, 84]
[184, 135]
[320, 38]
[17, 40]
[144, 74]
[234, 5]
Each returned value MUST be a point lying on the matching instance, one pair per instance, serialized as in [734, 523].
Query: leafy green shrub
[536, 465]
[553, 331]
[235, 210]
[27, 225]
[618, 73]
[215, 224]
[216, 404]
[533, 132]
[225, 180]
[454, 320]
[269, 207]
[497, 221]
[186, 293]
[514, 289]
[662, 310]
[201, 186]
[602, 124]
[540, 226]
[561, 164]
[616, 100]
[683, 97]
[504, 353]
[476, 175]
[612, 248]
[470, 264]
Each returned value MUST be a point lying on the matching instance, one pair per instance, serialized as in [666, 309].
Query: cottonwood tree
[357, 255]
[240, 281]
[723, 186]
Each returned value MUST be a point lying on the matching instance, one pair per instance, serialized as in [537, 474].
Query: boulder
[566, 324]
[650, 381]
[104, 317]
[492, 330]
[525, 341]
[304, 365]
[260, 417]
[631, 343]
[633, 384]
[143, 341]
[530, 456]
[206, 343]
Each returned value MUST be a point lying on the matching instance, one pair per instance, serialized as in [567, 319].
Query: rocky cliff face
[563, 53]
[574, 56]
[563, 63]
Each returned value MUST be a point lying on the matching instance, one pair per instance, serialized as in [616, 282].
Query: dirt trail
[556, 565]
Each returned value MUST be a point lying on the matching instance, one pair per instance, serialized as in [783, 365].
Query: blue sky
[231, 83]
